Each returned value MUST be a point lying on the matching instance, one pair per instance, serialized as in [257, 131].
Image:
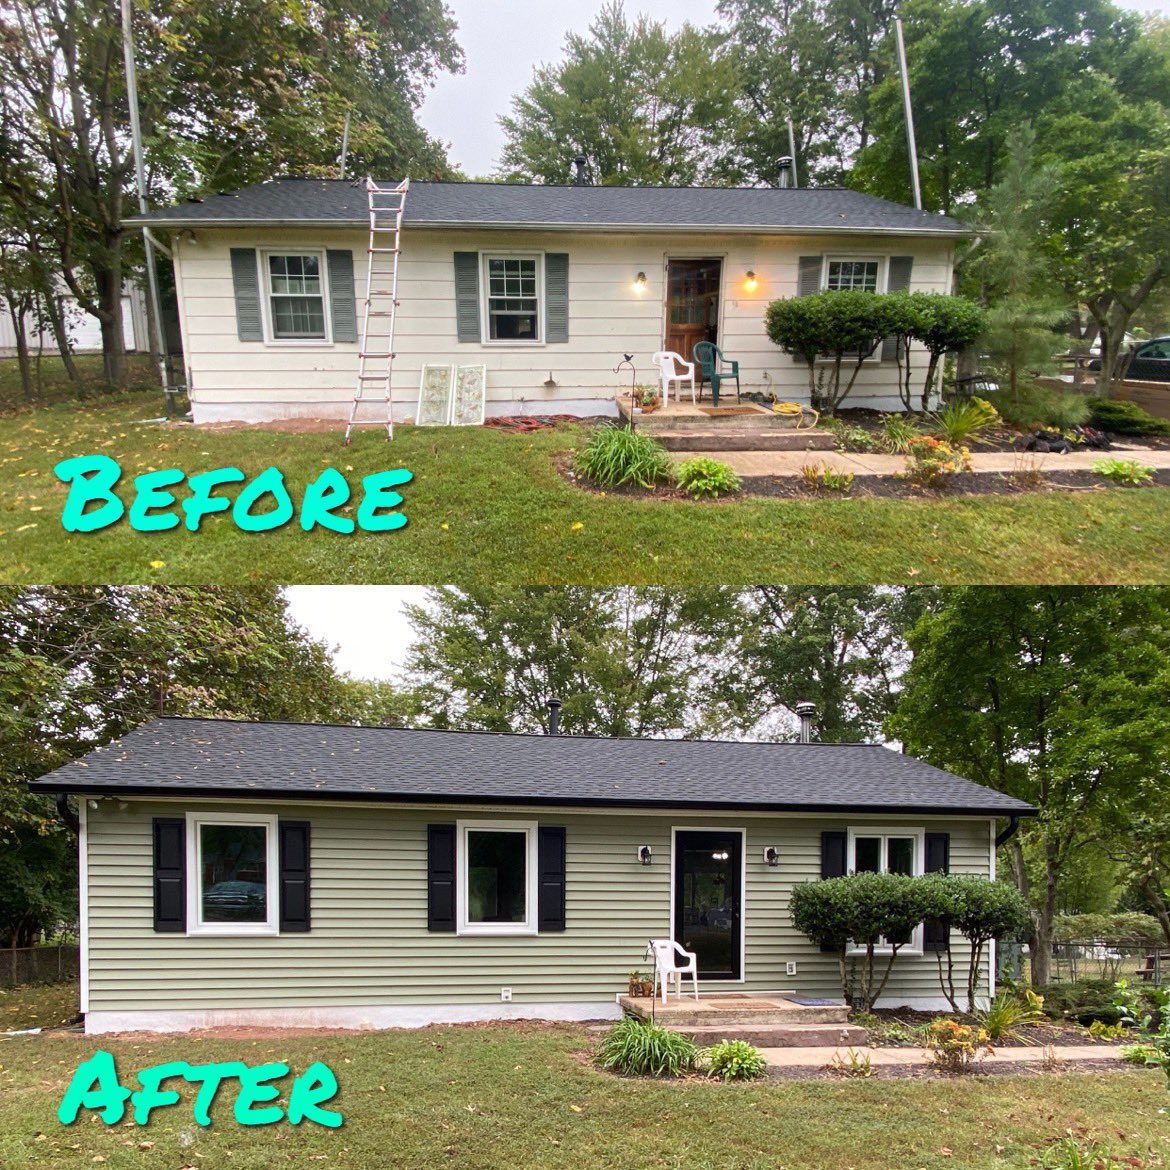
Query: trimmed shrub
[1085, 1000]
[1130, 926]
[639, 1048]
[702, 476]
[614, 456]
[941, 324]
[733, 1060]
[1125, 418]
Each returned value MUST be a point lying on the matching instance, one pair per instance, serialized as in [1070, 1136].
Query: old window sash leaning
[452, 884]
[179, 885]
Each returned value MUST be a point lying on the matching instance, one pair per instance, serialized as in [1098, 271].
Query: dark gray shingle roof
[196, 757]
[332, 202]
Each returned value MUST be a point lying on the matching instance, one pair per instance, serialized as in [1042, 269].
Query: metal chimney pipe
[580, 162]
[785, 166]
[806, 712]
[554, 716]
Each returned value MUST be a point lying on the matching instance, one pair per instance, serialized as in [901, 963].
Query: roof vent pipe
[554, 716]
[785, 166]
[579, 163]
[806, 712]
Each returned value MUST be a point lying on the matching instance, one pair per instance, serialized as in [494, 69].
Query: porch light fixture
[719, 855]
[751, 284]
[771, 856]
[640, 282]
[644, 854]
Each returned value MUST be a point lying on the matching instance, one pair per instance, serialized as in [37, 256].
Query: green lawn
[508, 1096]
[488, 506]
[37, 1005]
[54, 387]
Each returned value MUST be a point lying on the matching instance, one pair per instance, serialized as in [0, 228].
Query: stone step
[781, 1035]
[680, 1015]
[756, 439]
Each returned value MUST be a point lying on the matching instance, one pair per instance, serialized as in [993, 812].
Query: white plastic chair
[666, 953]
[668, 363]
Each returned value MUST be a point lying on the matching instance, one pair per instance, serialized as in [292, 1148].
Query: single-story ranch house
[545, 286]
[302, 874]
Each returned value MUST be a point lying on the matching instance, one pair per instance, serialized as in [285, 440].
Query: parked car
[1150, 361]
[235, 901]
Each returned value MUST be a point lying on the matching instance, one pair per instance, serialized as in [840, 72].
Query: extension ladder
[380, 307]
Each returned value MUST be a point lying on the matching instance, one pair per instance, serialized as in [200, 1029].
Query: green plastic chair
[714, 368]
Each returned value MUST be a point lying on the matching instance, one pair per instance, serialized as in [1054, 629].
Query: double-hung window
[882, 850]
[232, 871]
[852, 273]
[296, 296]
[496, 875]
[513, 296]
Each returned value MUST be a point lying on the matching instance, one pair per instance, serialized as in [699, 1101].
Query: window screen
[297, 296]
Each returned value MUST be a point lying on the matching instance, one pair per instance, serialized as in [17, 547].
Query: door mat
[719, 411]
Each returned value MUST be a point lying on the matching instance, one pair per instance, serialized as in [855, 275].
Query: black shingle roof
[195, 757]
[333, 202]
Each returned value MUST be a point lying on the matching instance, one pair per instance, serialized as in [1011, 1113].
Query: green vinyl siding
[369, 943]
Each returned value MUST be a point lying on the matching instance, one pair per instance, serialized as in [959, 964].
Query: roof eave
[81, 788]
[519, 225]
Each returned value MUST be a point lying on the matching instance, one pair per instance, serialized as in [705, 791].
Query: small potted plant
[636, 984]
[647, 987]
[649, 399]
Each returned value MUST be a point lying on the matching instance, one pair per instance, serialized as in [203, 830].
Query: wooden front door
[692, 310]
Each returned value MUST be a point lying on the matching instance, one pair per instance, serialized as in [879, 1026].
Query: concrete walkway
[785, 463]
[780, 1058]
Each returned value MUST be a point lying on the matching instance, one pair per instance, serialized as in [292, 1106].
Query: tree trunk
[55, 314]
[109, 295]
[1045, 918]
[16, 310]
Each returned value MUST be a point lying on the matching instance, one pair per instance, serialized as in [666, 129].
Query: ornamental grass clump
[614, 456]
[639, 1048]
[1007, 1013]
[961, 421]
[933, 462]
[702, 476]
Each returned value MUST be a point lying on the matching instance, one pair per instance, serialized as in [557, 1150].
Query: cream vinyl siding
[369, 943]
[607, 317]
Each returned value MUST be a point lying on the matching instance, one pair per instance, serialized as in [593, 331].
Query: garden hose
[794, 409]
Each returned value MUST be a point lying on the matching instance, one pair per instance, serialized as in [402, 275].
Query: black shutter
[441, 877]
[342, 297]
[246, 287]
[550, 864]
[467, 296]
[834, 859]
[294, 876]
[556, 296]
[936, 934]
[170, 874]
[897, 280]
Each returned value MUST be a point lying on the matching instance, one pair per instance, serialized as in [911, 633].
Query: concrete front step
[780, 1035]
[682, 1014]
[757, 439]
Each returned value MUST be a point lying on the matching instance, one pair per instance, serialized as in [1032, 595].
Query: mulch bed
[924, 1072]
[1062, 1033]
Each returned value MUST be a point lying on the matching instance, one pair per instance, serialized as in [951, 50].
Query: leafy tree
[641, 104]
[81, 666]
[832, 333]
[1053, 695]
[623, 661]
[842, 648]
[229, 94]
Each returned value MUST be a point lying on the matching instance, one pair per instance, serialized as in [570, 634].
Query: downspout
[67, 814]
[1008, 833]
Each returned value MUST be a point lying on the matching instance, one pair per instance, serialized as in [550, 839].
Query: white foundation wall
[608, 316]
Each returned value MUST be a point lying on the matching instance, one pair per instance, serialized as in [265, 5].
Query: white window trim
[914, 946]
[195, 926]
[883, 276]
[513, 929]
[485, 327]
[270, 337]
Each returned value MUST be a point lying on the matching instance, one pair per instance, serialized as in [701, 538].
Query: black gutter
[1008, 833]
[67, 814]
[525, 801]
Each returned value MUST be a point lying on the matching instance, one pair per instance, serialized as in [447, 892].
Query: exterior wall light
[751, 284]
[644, 854]
[771, 856]
[640, 282]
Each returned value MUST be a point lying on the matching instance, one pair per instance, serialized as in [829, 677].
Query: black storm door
[708, 880]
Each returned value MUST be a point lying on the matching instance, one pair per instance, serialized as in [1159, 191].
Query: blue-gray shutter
[550, 864]
[441, 877]
[294, 876]
[342, 303]
[556, 296]
[170, 873]
[246, 285]
[936, 932]
[809, 280]
[467, 296]
[898, 280]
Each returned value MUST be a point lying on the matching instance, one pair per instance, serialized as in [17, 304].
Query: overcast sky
[506, 39]
[363, 624]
